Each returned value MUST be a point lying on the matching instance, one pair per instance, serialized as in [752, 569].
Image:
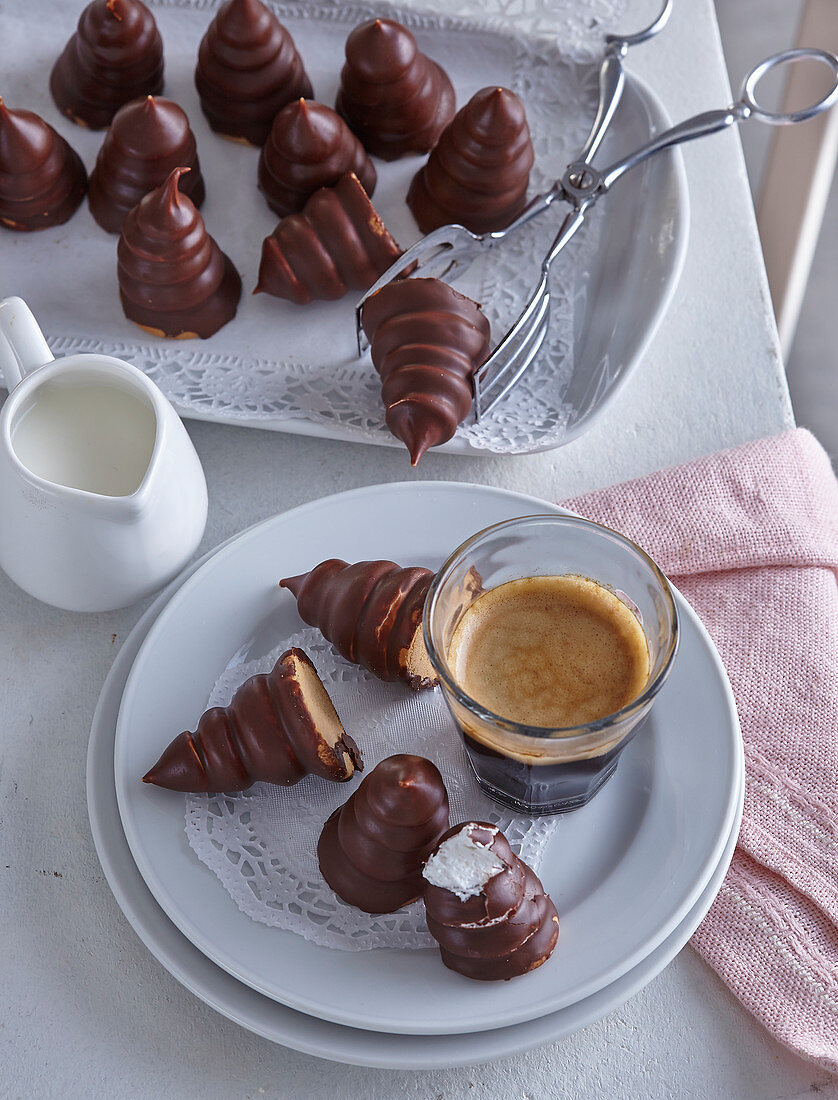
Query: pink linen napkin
[750, 536]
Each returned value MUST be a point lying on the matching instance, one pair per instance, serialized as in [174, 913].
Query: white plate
[278, 1023]
[624, 872]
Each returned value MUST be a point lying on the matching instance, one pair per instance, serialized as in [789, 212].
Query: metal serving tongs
[451, 249]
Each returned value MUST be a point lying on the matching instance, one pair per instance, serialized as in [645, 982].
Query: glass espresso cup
[545, 769]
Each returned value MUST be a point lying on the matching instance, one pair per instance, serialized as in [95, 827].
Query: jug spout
[22, 344]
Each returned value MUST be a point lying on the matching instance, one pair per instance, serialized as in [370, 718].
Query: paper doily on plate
[262, 843]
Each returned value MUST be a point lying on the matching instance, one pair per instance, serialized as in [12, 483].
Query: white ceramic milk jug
[102, 496]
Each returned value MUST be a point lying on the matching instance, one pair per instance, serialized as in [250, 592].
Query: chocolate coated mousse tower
[42, 180]
[372, 848]
[280, 726]
[371, 612]
[115, 56]
[426, 341]
[248, 69]
[335, 244]
[394, 97]
[478, 173]
[147, 140]
[309, 147]
[485, 907]
[174, 280]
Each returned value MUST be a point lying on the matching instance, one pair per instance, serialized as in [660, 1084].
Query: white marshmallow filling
[462, 865]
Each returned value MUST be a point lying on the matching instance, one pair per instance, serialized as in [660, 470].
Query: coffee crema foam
[551, 651]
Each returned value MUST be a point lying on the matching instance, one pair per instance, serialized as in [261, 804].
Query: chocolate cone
[173, 278]
[371, 612]
[335, 244]
[372, 848]
[147, 140]
[394, 98]
[280, 726]
[248, 69]
[477, 175]
[309, 147]
[42, 180]
[504, 929]
[115, 56]
[427, 341]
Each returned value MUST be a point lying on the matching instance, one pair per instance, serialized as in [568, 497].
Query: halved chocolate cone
[393, 97]
[485, 907]
[372, 849]
[426, 341]
[279, 727]
[335, 244]
[147, 140]
[371, 612]
[477, 175]
[42, 179]
[248, 69]
[309, 147]
[174, 280]
[115, 56]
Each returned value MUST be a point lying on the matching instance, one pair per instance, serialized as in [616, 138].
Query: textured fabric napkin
[750, 536]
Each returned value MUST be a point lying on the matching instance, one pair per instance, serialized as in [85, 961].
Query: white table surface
[86, 1011]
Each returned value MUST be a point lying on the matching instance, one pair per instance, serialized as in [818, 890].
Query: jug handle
[22, 344]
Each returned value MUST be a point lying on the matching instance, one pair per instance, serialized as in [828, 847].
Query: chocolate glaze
[147, 139]
[371, 612]
[394, 98]
[115, 55]
[309, 147]
[477, 175]
[248, 69]
[508, 929]
[173, 277]
[267, 733]
[335, 244]
[372, 849]
[427, 341]
[42, 179]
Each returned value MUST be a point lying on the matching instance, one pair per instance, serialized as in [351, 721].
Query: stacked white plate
[632, 874]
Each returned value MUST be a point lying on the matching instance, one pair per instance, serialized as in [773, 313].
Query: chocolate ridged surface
[173, 278]
[309, 147]
[115, 55]
[393, 97]
[147, 140]
[42, 179]
[371, 612]
[507, 928]
[280, 726]
[248, 69]
[426, 341]
[335, 244]
[478, 173]
[372, 848]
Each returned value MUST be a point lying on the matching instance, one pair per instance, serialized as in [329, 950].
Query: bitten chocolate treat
[147, 140]
[174, 280]
[115, 56]
[477, 175]
[280, 726]
[486, 908]
[426, 341]
[394, 98]
[335, 244]
[372, 848]
[42, 180]
[371, 612]
[309, 147]
[248, 69]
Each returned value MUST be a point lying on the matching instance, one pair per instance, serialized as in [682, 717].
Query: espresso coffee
[551, 651]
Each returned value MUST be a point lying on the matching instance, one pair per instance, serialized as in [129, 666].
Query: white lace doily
[262, 843]
[277, 362]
